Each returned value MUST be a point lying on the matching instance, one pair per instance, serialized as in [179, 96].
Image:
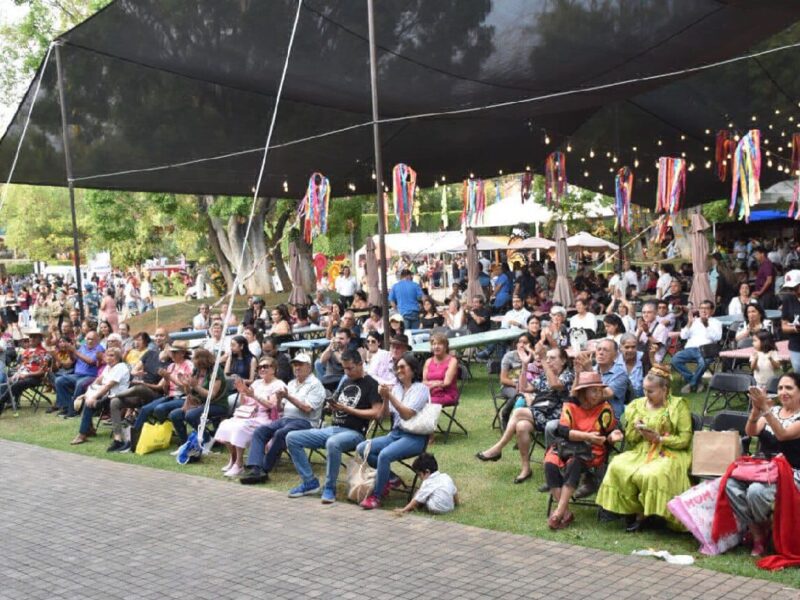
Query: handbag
[424, 422]
[360, 476]
[749, 468]
[245, 411]
[567, 450]
[714, 451]
[154, 437]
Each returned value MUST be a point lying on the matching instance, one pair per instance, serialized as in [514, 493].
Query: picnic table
[474, 340]
[196, 334]
[746, 353]
[312, 346]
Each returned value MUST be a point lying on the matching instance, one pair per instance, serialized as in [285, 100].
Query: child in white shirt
[437, 493]
[764, 361]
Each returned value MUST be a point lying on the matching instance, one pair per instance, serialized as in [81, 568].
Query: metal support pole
[376, 137]
[68, 164]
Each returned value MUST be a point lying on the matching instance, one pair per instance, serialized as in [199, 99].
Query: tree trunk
[305, 252]
[227, 238]
[280, 268]
[203, 202]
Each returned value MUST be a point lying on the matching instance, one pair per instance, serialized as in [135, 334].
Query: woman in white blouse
[454, 316]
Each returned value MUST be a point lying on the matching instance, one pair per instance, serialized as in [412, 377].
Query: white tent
[438, 242]
[586, 241]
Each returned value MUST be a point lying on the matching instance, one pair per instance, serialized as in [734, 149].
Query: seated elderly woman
[403, 400]
[114, 377]
[654, 468]
[258, 405]
[543, 397]
[586, 429]
[778, 432]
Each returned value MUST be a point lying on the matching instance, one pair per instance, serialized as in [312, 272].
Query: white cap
[302, 357]
[791, 279]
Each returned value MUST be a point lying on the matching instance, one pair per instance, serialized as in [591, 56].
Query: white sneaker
[228, 466]
[176, 452]
[234, 471]
[208, 446]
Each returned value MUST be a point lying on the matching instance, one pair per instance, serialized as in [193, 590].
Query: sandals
[79, 439]
[523, 478]
[555, 521]
[484, 458]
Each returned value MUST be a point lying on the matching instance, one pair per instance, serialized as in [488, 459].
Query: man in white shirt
[652, 336]
[203, 317]
[346, 286]
[701, 329]
[517, 316]
[662, 285]
[631, 277]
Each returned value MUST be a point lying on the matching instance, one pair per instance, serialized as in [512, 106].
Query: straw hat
[29, 331]
[179, 346]
[588, 379]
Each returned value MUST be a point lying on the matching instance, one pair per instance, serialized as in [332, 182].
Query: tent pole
[376, 137]
[68, 166]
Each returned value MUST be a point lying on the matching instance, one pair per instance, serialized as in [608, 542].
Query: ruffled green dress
[647, 475]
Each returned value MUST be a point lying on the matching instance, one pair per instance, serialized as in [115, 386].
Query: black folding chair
[449, 412]
[726, 388]
[730, 420]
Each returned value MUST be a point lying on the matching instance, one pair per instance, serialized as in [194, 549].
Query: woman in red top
[441, 371]
[587, 418]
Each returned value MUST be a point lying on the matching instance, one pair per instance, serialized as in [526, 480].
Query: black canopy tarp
[158, 82]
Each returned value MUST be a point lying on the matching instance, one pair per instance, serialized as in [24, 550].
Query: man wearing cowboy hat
[32, 367]
[790, 315]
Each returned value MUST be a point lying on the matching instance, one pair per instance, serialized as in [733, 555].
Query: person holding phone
[701, 329]
[790, 316]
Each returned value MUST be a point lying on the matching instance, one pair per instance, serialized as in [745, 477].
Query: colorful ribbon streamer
[525, 185]
[671, 184]
[555, 175]
[623, 186]
[473, 194]
[724, 153]
[404, 184]
[314, 207]
[746, 173]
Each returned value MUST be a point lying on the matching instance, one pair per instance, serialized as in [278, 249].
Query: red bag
[762, 470]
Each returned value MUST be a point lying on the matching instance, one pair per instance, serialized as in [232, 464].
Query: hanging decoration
[724, 153]
[745, 174]
[671, 184]
[385, 210]
[497, 197]
[314, 207]
[416, 208]
[445, 216]
[794, 209]
[525, 186]
[555, 175]
[623, 186]
[473, 194]
[404, 183]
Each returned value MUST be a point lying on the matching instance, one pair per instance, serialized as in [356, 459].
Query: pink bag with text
[695, 509]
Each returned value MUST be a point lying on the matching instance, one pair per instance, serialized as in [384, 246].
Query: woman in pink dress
[108, 310]
[257, 406]
[441, 372]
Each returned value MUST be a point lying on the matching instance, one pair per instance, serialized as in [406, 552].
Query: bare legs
[520, 424]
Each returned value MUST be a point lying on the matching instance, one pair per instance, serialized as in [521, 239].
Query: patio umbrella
[473, 266]
[701, 287]
[534, 243]
[591, 243]
[299, 294]
[373, 286]
[563, 291]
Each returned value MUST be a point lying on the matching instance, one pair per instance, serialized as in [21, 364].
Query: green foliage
[19, 268]
[176, 284]
[716, 211]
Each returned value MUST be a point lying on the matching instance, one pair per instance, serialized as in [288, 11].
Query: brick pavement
[77, 527]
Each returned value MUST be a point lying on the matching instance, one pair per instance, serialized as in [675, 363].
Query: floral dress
[551, 412]
[647, 475]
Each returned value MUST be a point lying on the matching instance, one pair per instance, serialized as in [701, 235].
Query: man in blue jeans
[405, 296]
[87, 360]
[356, 403]
[302, 409]
[701, 329]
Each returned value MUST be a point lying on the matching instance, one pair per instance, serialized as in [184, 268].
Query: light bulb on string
[611, 169]
[442, 177]
[754, 118]
[569, 148]
[586, 173]
[683, 154]
[635, 149]
[777, 111]
[791, 118]
[608, 154]
[599, 186]
[285, 186]
[591, 153]
[546, 138]
[660, 143]
[766, 142]
[500, 172]
[708, 132]
[436, 184]
[472, 175]
[683, 136]
[769, 126]
[708, 164]
[351, 187]
[583, 159]
[767, 152]
[527, 167]
[780, 148]
[736, 138]
[373, 176]
[647, 180]
[706, 148]
[691, 166]
[783, 134]
[635, 162]
[730, 125]
[614, 159]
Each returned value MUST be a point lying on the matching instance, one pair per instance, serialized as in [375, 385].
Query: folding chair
[729, 420]
[499, 401]
[725, 388]
[772, 385]
[36, 395]
[710, 353]
[449, 412]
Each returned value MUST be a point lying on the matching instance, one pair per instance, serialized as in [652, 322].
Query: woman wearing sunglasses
[258, 406]
[404, 400]
[377, 360]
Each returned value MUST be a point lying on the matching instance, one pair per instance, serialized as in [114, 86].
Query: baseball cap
[791, 279]
[302, 357]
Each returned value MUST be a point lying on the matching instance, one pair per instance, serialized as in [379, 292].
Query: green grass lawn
[490, 499]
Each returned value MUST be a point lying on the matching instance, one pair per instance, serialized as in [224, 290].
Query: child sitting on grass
[437, 493]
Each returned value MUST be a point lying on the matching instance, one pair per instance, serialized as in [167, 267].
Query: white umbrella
[586, 241]
[533, 243]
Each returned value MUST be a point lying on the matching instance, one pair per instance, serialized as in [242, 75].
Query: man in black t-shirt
[354, 405]
[477, 316]
[790, 315]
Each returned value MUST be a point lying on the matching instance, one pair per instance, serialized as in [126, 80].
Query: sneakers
[370, 502]
[115, 446]
[328, 496]
[307, 488]
[126, 448]
[253, 475]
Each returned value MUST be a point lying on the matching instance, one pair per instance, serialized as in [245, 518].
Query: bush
[161, 285]
[178, 288]
[19, 268]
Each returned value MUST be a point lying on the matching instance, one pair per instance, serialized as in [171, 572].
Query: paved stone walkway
[76, 527]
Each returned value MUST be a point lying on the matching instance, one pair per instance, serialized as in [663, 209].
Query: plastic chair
[725, 388]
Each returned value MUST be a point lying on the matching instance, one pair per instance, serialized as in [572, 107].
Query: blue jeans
[386, 449]
[66, 386]
[192, 417]
[794, 356]
[334, 439]
[277, 432]
[411, 320]
[688, 355]
[86, 416]
[165, 405]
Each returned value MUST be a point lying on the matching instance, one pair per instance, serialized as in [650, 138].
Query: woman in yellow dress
[654, 468]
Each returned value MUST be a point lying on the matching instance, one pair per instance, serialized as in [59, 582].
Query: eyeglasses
[266, 366]
[371, 341]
